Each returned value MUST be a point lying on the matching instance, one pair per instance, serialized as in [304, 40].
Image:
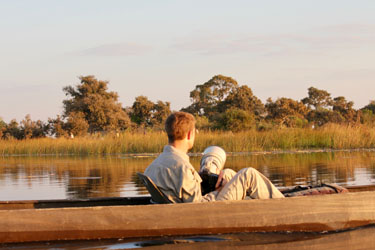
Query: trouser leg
[251, 181]
[228, 174]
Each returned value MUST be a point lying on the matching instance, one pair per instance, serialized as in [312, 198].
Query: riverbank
[333, 137]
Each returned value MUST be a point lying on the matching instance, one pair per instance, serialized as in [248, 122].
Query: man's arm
[190, 185]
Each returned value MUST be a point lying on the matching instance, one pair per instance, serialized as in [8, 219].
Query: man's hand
[220, 182]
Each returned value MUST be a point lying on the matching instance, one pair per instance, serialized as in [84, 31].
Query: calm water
[30, 178]
[361, 238]
[73, 177]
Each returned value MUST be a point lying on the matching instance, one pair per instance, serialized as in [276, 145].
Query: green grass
[331, 136]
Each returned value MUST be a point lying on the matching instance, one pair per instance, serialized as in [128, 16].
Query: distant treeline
[218, 104]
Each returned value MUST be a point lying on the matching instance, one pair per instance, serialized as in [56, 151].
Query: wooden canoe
[27, 221]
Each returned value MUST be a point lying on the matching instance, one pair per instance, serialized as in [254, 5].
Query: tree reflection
[113, 176]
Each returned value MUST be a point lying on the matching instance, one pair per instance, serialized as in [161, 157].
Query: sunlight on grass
[332, 136]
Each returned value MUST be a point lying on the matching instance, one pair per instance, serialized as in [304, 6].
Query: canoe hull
[313, 214]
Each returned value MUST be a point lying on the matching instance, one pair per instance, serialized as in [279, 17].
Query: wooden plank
[314, 213]
[361, 188]
[12, 205]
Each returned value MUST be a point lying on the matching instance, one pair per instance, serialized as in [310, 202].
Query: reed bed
[328, 137]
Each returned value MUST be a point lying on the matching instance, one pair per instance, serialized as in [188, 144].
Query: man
[180, 182]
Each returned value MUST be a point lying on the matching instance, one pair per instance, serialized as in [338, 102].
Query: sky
[163, 49]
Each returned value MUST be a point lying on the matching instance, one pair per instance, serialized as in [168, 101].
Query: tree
[242, 98]
[370, 106]
[286, 112]
[58, 127]
[317, 98]
[323, 116]
[368, 114]
[367, 117]
[342, 112]
[161, 111]
[32, 129]
[76, 124]
[202, 123]
[142, 111]
[235, 120]
[100, 108]
[148, 114]
[344, 108]
[207, 96]
[12, 130]
[2, 127]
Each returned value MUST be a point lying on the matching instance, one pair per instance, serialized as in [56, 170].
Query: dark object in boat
[209, 181]
[313, 190]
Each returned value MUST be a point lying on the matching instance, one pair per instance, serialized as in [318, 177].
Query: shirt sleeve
[191, 187]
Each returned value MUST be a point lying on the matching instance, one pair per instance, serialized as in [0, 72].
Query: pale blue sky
[163, 49]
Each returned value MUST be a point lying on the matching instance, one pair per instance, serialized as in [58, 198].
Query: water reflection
[76, 177]
[361, 238]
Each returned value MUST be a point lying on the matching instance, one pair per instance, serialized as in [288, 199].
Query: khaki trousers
[247, 182]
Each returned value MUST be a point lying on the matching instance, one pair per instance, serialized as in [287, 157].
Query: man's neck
[180, 145]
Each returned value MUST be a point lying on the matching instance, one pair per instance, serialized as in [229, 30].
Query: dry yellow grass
[331, 136]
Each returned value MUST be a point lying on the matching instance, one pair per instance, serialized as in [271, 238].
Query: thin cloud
[340, 36]
[25, 88]
[349, 28]
[118, 49]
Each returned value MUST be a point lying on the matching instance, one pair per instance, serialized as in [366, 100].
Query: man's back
[175, 176]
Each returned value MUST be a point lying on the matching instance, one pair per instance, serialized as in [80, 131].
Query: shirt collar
[171, 149]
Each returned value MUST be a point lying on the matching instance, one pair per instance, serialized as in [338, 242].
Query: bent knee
[228, 174]
[249, 170]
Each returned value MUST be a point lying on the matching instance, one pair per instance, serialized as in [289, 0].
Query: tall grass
[332, 136]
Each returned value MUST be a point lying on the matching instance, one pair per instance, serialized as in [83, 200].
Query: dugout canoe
[104, 218]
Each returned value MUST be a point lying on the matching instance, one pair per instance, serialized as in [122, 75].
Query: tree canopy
[148, 114]
[242, 97]
[207, 96]
[370, 107]
[286, 112]
[317, 98]
[90, 100]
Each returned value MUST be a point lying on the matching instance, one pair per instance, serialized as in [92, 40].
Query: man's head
[180, 126]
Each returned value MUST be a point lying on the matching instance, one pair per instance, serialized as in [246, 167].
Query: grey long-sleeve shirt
[172, 172]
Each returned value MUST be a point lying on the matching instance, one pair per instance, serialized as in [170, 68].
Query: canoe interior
[106, 201]
[90, 202]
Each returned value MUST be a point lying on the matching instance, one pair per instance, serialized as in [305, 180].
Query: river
[35, 178]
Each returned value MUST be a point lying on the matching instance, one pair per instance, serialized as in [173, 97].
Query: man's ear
[189, 135]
